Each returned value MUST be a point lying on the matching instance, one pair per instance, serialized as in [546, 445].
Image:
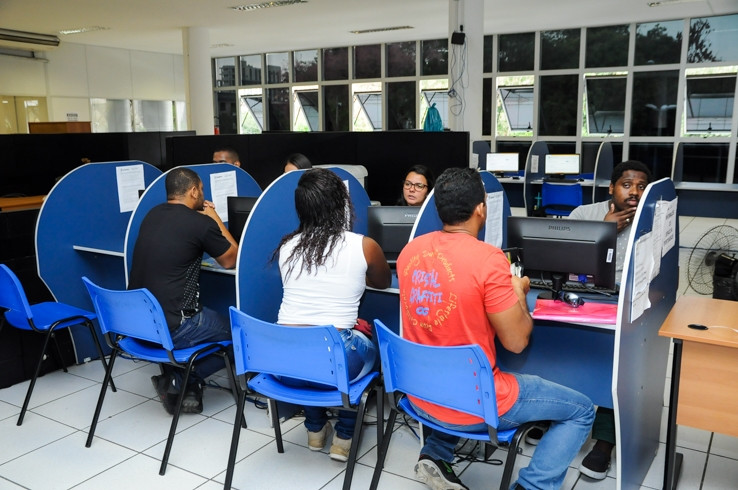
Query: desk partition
[80, 231]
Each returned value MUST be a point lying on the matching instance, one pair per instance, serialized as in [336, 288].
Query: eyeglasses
[417, 185]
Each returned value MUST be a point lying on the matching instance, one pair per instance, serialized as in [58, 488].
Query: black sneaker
[192, 402]
[595, 464]
[534, 435]
[161, 385]
[437, 474]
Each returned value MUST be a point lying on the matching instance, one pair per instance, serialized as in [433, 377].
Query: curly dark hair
[458, 192]
[623, 167]
[325, 212]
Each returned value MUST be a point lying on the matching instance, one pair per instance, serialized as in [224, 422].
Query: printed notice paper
[493, 226]
[222, 185]
[130, 180]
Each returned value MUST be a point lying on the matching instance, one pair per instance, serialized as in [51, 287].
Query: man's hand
[623, 218]
[208, 209]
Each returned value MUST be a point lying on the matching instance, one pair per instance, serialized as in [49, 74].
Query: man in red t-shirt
[457, 290]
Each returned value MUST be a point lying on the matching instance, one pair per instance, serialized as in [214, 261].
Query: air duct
[29, 41]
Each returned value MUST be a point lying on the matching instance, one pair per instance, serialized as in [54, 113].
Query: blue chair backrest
[12, 295]
[457, 377]
[308, 353]
[561, 194]
[135, 313]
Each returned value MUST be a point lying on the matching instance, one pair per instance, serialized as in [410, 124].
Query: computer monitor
[499, 163]
[566, 250]
[391, 226]
[239, 208]
[561, 165]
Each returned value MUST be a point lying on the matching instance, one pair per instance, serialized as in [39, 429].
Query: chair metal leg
[234, 440]
[32, 384]
[512, 453]
[91, 328]
[59, 352]
[101, 398]
[382, 449]
[379, 390]
[275, 424]
[175, 417]
[351, 463]
[235, 389]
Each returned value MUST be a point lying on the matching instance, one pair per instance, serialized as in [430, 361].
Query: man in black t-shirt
[166, 260]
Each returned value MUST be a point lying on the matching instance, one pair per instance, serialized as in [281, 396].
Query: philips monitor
[559, 166]
[565, 253]
[239, 208]
[391, 226]
[499, 163]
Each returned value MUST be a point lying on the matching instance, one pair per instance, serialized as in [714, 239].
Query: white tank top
[328, 296]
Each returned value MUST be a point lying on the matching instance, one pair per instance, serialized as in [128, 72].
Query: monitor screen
[391, 226]
[581, 251]
[499, 163]
[239, 208]
[563, 164]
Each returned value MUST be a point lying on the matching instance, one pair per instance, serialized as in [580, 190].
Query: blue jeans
[571, 415]
[360, 355]
[206, 326]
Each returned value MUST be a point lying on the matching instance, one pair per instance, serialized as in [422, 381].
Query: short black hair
[230, 151]
[458, 192]
[299, 160]
[623, 167]
[179, 180]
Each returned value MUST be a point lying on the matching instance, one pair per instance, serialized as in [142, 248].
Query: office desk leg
[672, 460]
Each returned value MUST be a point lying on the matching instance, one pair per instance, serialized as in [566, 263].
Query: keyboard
[574, 287]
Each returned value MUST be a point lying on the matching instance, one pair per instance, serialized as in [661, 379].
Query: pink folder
[589, 312]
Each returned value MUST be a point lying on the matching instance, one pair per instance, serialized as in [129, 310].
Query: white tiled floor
[48, 450]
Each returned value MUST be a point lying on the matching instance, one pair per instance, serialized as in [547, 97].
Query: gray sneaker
[437, 474]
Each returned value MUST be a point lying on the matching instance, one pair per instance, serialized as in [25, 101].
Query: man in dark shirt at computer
[226, 154]
[166, 260]
[628, 181]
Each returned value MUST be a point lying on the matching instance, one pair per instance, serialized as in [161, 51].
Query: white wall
[76, 73]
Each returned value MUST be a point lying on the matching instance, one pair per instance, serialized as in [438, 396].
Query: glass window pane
[607, 46]
[516, 107]
[705, 162]
[335, 64]
[658, 42]
[368, 61]
[278, 68]
[654, 103]
[605, 109]
[336, 108]
[560, 49]
[225, 101]
[656, 156]
[306, 114]
[367, 110]
[252, 111]
[557, 115]
[250, 69]
[305, 65]
[111, 116]
[710, 103]
[225, 72]
[435, 57]
[713, 39]
[153, 115]
[589, 156]
[487, 106]
[401, 106]
[401, 59]
[279, 109]
[488, 54]
[516, 51]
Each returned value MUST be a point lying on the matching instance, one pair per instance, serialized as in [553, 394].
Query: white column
[198, 79]
[465, 67]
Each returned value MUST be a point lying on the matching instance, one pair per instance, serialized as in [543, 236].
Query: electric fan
[715, 254]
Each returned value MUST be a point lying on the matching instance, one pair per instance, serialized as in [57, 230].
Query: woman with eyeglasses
[416, 187]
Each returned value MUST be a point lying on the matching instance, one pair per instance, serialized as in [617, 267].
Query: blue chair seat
[48, 313]
[270, 387]
[150, 352]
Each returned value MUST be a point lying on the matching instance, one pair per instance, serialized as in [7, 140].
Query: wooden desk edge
[706, 311]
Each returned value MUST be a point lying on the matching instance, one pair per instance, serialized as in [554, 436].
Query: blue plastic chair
[458, 377]
[560, 199]
[44, 318]
[133, 323]
[266, 351]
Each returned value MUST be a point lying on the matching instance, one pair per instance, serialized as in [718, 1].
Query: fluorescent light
[80, 30]
[664, 3]
[381, 29]
[266, 5]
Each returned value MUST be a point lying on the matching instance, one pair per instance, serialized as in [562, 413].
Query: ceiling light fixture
[381, 29]
[80, 30]
[221, 45]
[266, 5]
[664, 3]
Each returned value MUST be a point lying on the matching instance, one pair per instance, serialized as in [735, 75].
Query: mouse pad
[589, 312]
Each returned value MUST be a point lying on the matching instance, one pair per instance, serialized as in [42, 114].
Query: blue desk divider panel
[82, 211]
[217, 289]
[603, 171]
[538, 150]
[259, 285]
[429, 221]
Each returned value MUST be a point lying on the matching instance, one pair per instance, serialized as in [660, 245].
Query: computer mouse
[571, 299]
